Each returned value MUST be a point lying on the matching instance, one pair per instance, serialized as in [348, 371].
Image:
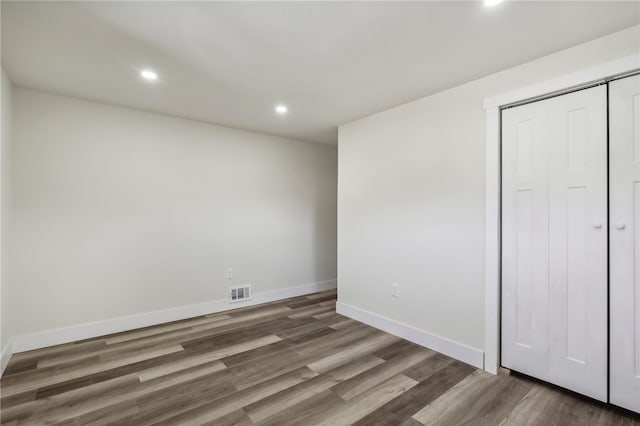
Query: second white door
[624, 97]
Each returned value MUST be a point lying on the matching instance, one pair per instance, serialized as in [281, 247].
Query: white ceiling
[330, 62]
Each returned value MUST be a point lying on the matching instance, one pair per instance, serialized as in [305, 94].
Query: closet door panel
[525, 240]
[554, 240]
[578, 241]
[624, 133]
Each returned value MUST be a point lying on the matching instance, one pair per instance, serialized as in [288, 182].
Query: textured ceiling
[331, 62]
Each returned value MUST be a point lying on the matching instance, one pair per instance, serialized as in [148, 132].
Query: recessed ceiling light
[491, 3]
[281, 109]
[149, 75]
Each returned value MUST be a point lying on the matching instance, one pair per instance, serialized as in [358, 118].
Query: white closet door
[624, 113]
[578, 241]
[525, 240]
[554, 241]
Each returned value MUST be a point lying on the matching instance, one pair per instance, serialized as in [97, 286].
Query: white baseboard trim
[448, 347]
[7, 351]
[74, 333]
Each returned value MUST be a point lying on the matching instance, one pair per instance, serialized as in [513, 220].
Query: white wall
[411, 198]
[120, 212]
[5, 199]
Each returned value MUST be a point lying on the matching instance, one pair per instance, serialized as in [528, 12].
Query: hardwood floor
[292, 362]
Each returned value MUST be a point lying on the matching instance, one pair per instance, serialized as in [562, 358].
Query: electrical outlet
[229, 274]
[394, 289]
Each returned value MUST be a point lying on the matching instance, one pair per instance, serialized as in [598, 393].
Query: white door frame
[492, 107]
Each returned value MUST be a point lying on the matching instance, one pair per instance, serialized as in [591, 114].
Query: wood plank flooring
[292, 362]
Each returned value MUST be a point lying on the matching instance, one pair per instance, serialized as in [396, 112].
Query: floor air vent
[238, 294]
